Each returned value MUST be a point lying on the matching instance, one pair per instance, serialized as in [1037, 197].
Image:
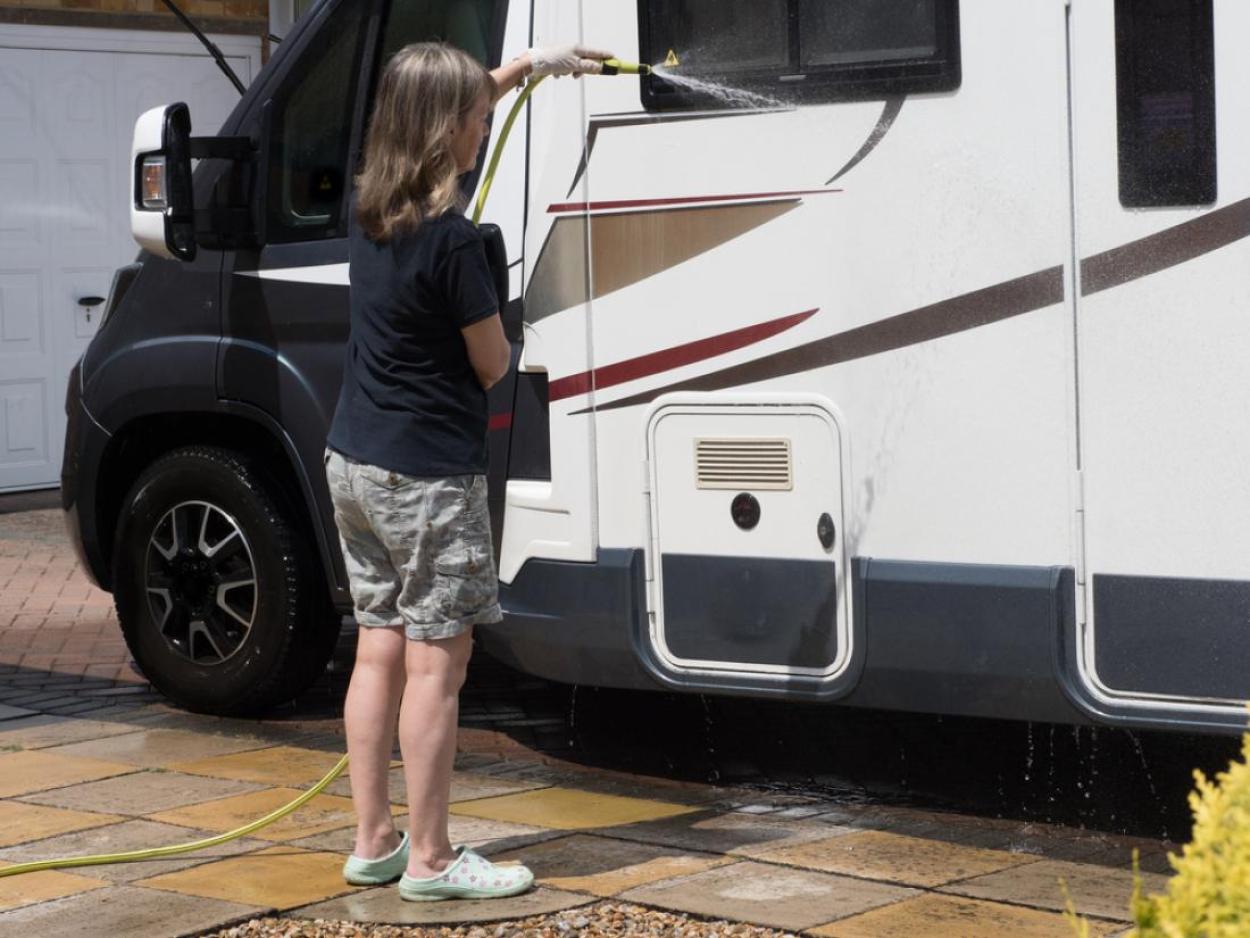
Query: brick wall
[213, 16]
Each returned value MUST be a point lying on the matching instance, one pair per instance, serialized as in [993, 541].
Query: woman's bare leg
[427, 737]
[370, 713]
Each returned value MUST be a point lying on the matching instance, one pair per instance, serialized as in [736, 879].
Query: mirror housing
[497, 260]
[162, 209]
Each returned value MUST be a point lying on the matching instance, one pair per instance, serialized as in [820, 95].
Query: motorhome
[904, 376]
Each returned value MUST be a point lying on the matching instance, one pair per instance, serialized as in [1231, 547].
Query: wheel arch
[234, 426]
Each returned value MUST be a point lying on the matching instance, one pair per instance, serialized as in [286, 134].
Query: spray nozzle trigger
[617, 67]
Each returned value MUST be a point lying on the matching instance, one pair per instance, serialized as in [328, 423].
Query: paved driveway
[92, 760]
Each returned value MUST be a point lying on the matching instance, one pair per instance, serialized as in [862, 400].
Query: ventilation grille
[743, 463]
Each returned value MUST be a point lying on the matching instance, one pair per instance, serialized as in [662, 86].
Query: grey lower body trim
[966, 639]
[1167, 635]
[751, 610]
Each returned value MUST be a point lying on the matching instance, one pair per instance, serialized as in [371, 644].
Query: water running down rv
[208, 44]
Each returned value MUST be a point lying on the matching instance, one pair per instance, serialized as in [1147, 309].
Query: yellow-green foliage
[1209, 897]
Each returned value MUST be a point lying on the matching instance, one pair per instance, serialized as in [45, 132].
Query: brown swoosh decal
[875, 136]
[666, 359]
[631, 246]
[1166, 248]
[957, 314]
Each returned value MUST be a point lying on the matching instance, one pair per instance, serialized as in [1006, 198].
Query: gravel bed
[601, 920]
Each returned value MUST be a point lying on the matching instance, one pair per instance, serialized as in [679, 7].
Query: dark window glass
[855, 32]
[801, 49]
[724, 36]
[311, 127]
[1165, 91]
[476, 26]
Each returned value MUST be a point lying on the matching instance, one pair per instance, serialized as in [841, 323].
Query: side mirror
[162, 210]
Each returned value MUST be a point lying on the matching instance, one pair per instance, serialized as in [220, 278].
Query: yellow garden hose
[489, 175]
[153, 853]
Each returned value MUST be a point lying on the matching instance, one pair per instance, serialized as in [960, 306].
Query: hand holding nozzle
[567, 60]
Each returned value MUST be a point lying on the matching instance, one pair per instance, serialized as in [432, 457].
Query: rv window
[476, 26]
[801, 49]
[311, 130]
[1165, 91]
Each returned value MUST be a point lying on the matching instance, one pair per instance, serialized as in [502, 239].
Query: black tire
[196, 526]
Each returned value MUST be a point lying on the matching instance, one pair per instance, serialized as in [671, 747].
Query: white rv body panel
[973, 433]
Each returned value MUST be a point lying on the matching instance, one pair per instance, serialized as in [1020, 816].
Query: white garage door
[68, 103]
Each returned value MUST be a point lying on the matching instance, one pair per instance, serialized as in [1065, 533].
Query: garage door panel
[17, 87]
[24, 429]
[84, 209]
[21, 320]
[21, 218]
[68, 102]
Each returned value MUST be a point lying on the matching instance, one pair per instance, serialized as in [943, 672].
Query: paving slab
[569, 809]
[384, 907]
[30, 771]
[158, 748]
[762, 894]
[23, 822]
[142, 793]
[880, 855]
[124, 910]
[31, 888]
[277, 876]
[934, 916]
[122, 838]
[606, 867]
[274, 765]
[45, 731]
[322, 813]
[1095, 890]
[737, 833]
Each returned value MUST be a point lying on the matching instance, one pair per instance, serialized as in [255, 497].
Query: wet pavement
[827, 821]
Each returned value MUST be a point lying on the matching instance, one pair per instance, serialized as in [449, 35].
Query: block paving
[92, 760]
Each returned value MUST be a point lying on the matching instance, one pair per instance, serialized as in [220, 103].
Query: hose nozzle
[617, 67]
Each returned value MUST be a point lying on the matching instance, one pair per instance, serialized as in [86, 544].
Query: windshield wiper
[208, 44]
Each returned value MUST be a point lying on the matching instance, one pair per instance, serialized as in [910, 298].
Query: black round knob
[826, 531]
[745, 510]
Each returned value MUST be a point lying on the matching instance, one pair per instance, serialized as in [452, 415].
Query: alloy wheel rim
[201, 582]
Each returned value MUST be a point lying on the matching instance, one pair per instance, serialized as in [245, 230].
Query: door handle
[90, 300]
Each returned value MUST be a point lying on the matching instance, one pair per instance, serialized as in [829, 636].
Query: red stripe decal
[684, 200]
[499, 421]
[666, 359]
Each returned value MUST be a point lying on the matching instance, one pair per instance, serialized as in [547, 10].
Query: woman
[406, 456]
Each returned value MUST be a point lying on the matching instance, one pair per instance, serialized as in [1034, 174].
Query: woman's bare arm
[489, 352]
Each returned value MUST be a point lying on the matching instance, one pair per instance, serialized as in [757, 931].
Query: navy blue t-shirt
[410, 400]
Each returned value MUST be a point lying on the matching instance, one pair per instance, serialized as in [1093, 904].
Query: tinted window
[311, 127]
[476, 26]
[801, 49]
[1165, 91]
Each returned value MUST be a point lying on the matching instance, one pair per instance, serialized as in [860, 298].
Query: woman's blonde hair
[410, 172]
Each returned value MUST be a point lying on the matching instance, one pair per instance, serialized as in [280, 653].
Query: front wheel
[219, 597]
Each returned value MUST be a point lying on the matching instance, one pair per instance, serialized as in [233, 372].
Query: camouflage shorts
[418, 550]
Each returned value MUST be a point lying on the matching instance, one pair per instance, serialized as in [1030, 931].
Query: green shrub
[1209, 897]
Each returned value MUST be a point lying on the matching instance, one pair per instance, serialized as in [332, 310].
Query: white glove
[566, 60]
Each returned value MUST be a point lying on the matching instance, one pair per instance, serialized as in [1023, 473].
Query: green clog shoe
[469, 876]
[385, 869]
